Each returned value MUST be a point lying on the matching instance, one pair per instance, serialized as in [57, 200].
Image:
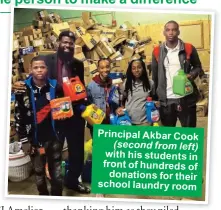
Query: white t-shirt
[172, 66]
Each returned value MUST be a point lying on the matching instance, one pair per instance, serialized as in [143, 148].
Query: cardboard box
[104, 49]
[76, 22]
[202, 107]
[80, 56]
[128, 33]
[94, 32]
[128, 52]
[126, 25]
[72, 28]
[109, 33]
[93, 55]
[38, 42]
[90, 41]
[50, 37]
[80, 42]
[122, 32]
[115, 66]
[24, 76]
[37, 23]
[15, 45]
[15, 66]
[118, 40]
[92, 68]
[80, 31]
[18, 34]
[46, 52]
[77, 49]
[31, 38]
[27, 60]
[41, 15]
[31, 31]
[45, 28]
[14, 36]
[88, 78]
[124, 64]
[57, 28]
[145, 41]
[25, 41]
[140, 49]
[116, 56]
[40, 48]
[88, 20]
[86, 68]
[54, 18]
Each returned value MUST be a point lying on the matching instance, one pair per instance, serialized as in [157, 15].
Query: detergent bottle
[156, 124]
[181, 85]
[61, 108]
[74, 88]
[92, 114]
[114, 96]
[123, 119]
[112, 119]
[152, 112]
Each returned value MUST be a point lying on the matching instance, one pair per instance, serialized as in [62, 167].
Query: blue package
[26, 50]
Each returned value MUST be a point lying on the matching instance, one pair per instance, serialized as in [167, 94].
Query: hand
[157, 104]
[47, 171]
[19, 87]
[94, 106]
[120, 111]
[189, 76]
[26, 147]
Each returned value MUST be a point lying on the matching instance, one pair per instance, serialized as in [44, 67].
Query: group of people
[43, 138]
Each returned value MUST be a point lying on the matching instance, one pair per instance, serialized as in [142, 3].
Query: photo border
[136, 200]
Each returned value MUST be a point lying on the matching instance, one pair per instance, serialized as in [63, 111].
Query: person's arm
[90, 99]
[152, 89]
[22, 117]
[81, 72]
[154, 70]
[195, 64]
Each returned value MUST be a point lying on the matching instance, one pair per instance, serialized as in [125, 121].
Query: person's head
[66, 41]
[137, 71]
[171, 31]
[104, 68]
[39, 68]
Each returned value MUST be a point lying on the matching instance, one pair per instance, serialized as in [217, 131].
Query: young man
[167, 59]
[62, 64]
[36, 128]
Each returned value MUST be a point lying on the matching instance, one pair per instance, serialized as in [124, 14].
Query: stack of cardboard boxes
[93, 41]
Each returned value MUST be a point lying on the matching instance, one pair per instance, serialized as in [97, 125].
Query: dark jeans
[52, 155]
[74, 133]
[178, 109]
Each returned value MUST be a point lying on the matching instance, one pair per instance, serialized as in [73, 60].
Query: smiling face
[66, 48]
[66, 44]
[104, 69]
[137, 69]
[39, 70]
[171, 32]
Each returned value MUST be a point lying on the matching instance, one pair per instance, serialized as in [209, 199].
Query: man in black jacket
[62, 64]
[172, 56]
